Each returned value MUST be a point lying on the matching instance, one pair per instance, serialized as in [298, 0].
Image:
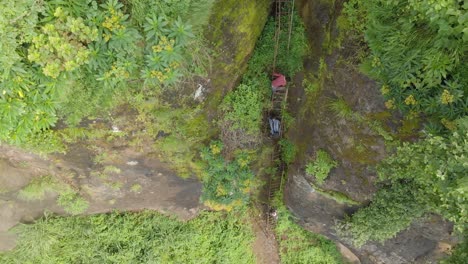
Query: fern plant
[321, 166]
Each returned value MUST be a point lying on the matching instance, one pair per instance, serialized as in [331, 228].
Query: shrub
[418, 51]
[242, 108]
[288, 151]
[72, 59]
[321, 166]
[225, 184]
[392, 210]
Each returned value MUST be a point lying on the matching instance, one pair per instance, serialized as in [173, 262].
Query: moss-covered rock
[341, 111]
[233, 31]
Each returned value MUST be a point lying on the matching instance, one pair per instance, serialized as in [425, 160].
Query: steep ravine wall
[139, 180]
[355, 146]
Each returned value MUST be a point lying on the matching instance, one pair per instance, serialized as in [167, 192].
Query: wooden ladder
[284, 11]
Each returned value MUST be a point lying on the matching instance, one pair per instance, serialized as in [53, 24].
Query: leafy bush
[321, 166]
[418, 51]
[288, 150]
[72, 59]
[225, 184]
[392, 210]
[243, 108]
[437, 166]
[144, 237]
[62, 45]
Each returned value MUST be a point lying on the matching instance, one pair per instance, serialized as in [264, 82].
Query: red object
[279, 80]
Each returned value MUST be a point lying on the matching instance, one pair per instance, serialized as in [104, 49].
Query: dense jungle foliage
[68, 60]
[418, 51]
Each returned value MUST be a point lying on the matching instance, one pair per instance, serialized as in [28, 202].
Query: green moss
[339, 197]
[236, 26]
[136, 188]
[38, 187]
[69, 199]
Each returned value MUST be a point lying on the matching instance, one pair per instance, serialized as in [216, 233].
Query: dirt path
[265, 246]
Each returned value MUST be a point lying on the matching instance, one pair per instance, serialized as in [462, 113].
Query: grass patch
[72, 202]
[38, 187]
[288, 150]
[145, 237]
[69, 199]
[136, 188]
[298, 245]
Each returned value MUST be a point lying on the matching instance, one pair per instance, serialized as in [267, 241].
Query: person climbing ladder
[278, 83]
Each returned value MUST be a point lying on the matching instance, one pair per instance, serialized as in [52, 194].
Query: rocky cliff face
[332, 79]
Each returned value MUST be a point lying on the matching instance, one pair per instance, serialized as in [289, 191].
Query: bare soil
[265, 246]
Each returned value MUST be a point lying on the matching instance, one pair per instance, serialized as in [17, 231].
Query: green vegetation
[418, 51]
[459, 255]
[226, 185]
[242, 109]
[72, 202]
[297, 245]
[288, 150]
[134, 238]
[69, 199]
[343, 110]
[339, 197]
[391, 211]
[38, 187]
[72, 59]
[321, 166]
[426, 176]
[136, 188]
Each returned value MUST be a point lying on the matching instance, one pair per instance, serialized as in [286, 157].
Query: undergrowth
[297, 245]
[321, 166]
[144, 237]
[38, 188]
[72, 202]
[226, 184]
[68, 199]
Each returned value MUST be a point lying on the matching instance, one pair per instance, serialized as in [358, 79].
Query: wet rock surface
[355, 146]
[425, 241]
